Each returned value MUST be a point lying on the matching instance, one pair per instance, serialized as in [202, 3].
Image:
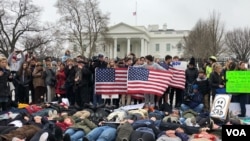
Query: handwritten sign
[238, 82]
[182, 65]
[220, 106]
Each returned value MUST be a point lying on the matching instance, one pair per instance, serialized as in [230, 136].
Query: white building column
[115, 48]
[128, 46]
[142, 47]
[145, 47]
[111, 51]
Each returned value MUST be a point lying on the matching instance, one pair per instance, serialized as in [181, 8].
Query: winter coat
[203, 85]
[50, 77]
[60, 82]
[85, 124]
[23, 81]
[191, 75]
[4, 87]
[26, 131]
[70, 76]
[38, 79]
[196, 99]
[215, 80]
[85, 77]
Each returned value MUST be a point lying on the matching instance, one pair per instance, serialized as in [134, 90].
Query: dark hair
[127, 59]
[150, 58]
[48, 58]
[26, 71]
[232, 66]
[63, 64]
[137, 59]
[167, 57]
[132, 54]
[142, 57]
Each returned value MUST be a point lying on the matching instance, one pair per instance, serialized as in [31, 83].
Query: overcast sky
[177, 14]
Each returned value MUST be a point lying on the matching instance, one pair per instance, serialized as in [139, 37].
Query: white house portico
[122, 39]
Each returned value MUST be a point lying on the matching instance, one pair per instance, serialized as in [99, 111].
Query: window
[118, 48]
[168, 47]
[179, 46]
[179, 49]
[104, 48]
[157, 47]
[131, 48]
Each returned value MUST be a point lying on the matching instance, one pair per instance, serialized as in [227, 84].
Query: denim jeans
[197, 109]
[75, 135]
[97, 99]
[103, 133]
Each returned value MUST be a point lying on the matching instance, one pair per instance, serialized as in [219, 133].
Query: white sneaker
[44, 136]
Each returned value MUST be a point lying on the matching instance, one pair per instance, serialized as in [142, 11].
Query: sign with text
[182, 65]
[238, 82]
[220, 106]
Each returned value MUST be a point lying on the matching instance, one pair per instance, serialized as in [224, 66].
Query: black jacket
[4, 87]
[23, 82]
[214, 81]
[203, 85]
[70, 75]
[85, 77]
[191, 75]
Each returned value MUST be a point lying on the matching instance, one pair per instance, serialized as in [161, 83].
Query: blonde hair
[4, 59]
[109, 66]
[215, 66]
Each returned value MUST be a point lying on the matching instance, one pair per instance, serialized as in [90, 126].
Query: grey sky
[178, 14]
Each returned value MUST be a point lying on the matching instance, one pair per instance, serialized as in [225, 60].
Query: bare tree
[196, 42]
[216, 33]
[16, 19]
[238, 43]
[84, 23]
[96, 23]
[206, 38]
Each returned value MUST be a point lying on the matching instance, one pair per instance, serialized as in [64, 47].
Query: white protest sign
[220, 106]
[111, 96]
[133, 107]
[182, 65]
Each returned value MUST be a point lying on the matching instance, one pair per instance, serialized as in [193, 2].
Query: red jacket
[63, 125]
[60, 82]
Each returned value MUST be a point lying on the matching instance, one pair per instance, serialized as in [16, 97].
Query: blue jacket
[196, 99]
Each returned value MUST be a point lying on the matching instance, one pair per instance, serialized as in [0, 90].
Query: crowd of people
[162, 117]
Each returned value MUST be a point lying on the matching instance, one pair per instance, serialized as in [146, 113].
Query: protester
[5, 77]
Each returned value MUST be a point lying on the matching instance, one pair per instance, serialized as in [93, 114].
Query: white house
[122, 39]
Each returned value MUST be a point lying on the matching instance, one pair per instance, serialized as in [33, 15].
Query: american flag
[178, 79]
[111, 81]
[147, 81]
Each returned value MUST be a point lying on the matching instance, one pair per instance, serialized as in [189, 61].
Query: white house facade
[122, 39]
